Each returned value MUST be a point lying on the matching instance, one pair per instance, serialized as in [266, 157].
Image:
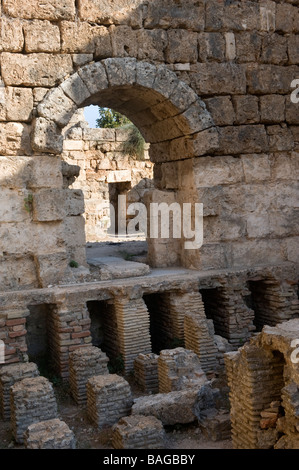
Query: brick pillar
[133, 329]
[69, 329]
[13, 333]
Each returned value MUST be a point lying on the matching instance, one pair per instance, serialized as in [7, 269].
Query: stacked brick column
[69, 329]
[133, 329]
[13, 332]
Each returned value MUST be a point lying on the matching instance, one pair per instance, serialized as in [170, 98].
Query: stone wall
[103, 161]
[160, 63]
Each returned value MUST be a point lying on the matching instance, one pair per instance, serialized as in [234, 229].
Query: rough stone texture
[264, 408]
[171, 408]
[9, 375]
[146, 372]
[32, 400]
[50, 434]
[138, 432]
[108, 399]
[85, 363]
[179, 369]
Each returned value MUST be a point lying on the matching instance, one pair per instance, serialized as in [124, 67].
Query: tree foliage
[134, 146]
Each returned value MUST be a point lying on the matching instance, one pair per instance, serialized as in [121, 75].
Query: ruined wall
[209, 79]
[103, 162]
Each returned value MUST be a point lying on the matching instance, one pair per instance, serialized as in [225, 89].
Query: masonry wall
[240, 58]
[103, 162]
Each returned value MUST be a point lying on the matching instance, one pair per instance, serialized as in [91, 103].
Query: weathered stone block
[32, 400]
[215, 171]
[270, 79]
[151, 44]
[207, 81]
[293, 49]
[182, 46]
[37, 69]
[280, 138]
[221, 109]
[256, 167]
[15, 139]
[51, 268]
[50, 434]
[189, 15]
[41, 36]
[84, 38]
[19, 104]
[46, 172]
[246, 109]
[57, 106]
[11, 35]
[108, 399]
[248, 47]
[74, 202]
[124, 41]
[274, 49]
[236, 16]
[48, 205]
[46, 136]
[94, 76]
[211, 47]
[51, 10]
[243, 139]
[138, 432]
[103, 12]
[272, 108]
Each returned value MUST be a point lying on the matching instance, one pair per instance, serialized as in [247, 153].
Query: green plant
[28, 203]
[111, 119]
[135, 144]
[73, 264]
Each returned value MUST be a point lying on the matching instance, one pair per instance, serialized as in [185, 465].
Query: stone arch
[168, 112]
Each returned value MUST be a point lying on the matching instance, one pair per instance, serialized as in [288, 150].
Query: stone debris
[85, 363]
[146, 372]
[9, 375]
[177, 407]
[32, 400]
[108, 399]
[138, 432]
[179, 369]
[50, 434]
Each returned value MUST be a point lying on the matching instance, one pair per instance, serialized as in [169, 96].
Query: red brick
[83, 334]
[13, 334]
[17, 321]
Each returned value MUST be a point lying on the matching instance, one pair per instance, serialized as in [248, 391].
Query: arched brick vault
[169, 114]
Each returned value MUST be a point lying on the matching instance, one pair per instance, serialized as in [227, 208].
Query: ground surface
[88, 437]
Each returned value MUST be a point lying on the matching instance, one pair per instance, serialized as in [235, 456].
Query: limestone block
[18, 271]
[280, 138]
[292, 116]
[170, 408]
[74, 202]
[151, 44]
[287, 18]
[41, 36]
[39, 93]
[46, 136]
[12, 206]
[256, 167]
[206, 79]
[50, 434]
[84, 38]
[270, 79]
[272, 108]
[138, 432]
[211, 47]
[15, 139]
[46, 172]
[214, 171]
[75, 88]
[15, 172]
[104, 134]
[293, 49]
[94, 76]
[257, 252]
[235, 16]
[190, 15]
[274, 49]
[124, 41]
[248, 46]
[221, 109]
[11, 35]
[51, 268]
[182, 46]
[120, 71]
[243, 139]
[105, 12]
[119, 176]
[74, 231]
[57, 106]
[246, 109]
[81, 59]
[19, 104]
[37, 69]
[51, 10]
[48, 205]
